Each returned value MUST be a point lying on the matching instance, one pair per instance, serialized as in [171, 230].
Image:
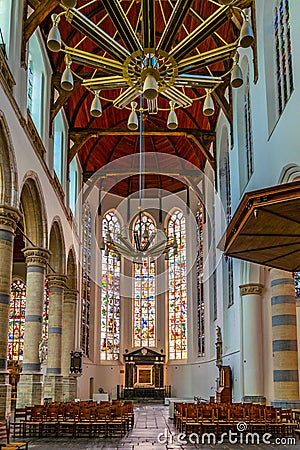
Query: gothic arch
[57, 247]
[71, 270]
[8, 167]
[291, 172]
[34, 212]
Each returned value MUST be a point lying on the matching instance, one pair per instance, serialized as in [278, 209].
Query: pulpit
[224, 390]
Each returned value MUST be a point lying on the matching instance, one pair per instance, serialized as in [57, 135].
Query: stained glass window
[110, 293]
[177, 288]
[86, 279]
[297, 284]
[144, 291]
[248, 130]
[46, 310]
[30, 84]
[200, 291]
[16, 324]
[283, 54]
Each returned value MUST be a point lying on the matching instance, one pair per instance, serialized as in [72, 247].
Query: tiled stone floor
[150, 421]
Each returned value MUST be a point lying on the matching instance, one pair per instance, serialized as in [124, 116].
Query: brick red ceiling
[96, 152]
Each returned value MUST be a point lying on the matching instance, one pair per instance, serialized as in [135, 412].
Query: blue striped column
[30, 388]
[8, 220]
[284, 340]
[53, 379]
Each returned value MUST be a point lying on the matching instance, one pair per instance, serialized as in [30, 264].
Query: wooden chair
[33, 424]
[116, 422]
[17, 425]
[4, 439]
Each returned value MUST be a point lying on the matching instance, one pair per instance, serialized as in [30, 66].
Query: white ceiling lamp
[54, 39]
[172, 123]
[69, 3]
[133, 123]
[208, 105]
[67, 82]
[96, 108]
[246, 35]
[236, 73]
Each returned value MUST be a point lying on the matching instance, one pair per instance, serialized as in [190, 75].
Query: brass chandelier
[143, 66]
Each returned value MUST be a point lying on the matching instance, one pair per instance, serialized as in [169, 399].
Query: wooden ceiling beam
[40, 13]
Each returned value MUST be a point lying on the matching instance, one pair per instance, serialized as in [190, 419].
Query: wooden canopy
[265, 228]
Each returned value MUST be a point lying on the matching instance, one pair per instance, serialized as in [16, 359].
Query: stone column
[30, 387]
[252, 342]
[284, 340]
[68, 344]
[8, 220]
[53, 387]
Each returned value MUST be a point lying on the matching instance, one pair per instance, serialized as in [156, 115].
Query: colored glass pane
[86, 280]
[177, 288]
[144, 290]
[110, 293]
[200, 291]
[16, 324]
[46, 310]
[297, 284]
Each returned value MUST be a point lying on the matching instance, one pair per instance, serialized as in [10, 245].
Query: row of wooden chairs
[220, 418]
[5, 443]
[75, 419]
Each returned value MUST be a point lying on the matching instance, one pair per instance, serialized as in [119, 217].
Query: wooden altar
[144, 374]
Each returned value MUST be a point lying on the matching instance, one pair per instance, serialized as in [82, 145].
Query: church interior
[149, 183]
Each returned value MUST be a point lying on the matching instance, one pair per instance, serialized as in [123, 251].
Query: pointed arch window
[200, 290]
[297, 284]
[46, 310]
[177, 289]
[16, 324]
[248, 130]
[283, 54]
[86, 279]
[144, 291]
[110, 293]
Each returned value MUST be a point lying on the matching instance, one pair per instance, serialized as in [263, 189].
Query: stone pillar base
[286, 404]
[53, 388]
[254, 399]
[5, 396]
[30, 390]
[70, 388]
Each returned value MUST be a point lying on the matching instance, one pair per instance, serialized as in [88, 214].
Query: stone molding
[9, 217]
[70, 295]
[36, 256]
[57, 281]
[251, 288]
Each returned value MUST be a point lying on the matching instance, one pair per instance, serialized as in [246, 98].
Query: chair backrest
[4, 438]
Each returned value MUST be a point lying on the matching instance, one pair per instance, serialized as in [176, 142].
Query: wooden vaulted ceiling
[99, 141]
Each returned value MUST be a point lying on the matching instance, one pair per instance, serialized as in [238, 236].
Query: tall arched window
[297, 284]
[16, 325]
[283, 54]
[200, 291]
[144, 291]
[177, 288]
[86, 279]
[110, 293]
[248, 129]
[46, 310]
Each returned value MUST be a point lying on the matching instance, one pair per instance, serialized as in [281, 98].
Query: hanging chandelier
[138, 241]
[141, 65]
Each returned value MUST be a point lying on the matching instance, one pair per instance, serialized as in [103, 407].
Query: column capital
[70, 295]
[36, 256]
[57, 280]
[251, 288]
[9, 217]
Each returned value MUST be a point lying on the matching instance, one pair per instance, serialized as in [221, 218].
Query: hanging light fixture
[96, 109]
[246, 35]
[172, 123]
[69, 3]
[54, 39]
[138, 244]
[168, 67]
[208, 105]
[67, 82]
[133, 123]
[236, 73]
